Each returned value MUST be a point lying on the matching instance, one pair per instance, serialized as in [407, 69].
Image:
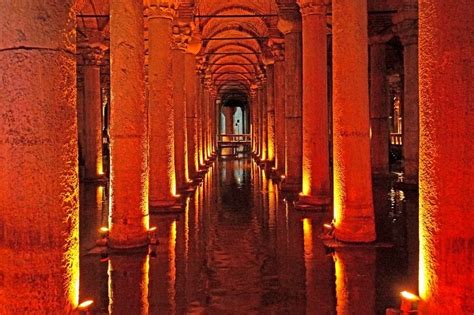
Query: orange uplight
[409, 296]
[328, 226]
[152, 229]
[104, 229]
[85, 305]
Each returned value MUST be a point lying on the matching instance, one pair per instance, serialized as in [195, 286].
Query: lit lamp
[104, 235]
[152, 236]
[408, 302]
[328, 231]
[85, 307]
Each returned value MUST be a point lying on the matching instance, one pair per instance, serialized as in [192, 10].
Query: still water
[241, 248]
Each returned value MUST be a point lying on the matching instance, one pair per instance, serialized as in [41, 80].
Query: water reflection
[239, 248]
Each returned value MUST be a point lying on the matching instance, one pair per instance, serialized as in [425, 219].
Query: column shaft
[161, 114]
[280, 115]
[353, 205]
[379, 111]
[179, 101]
[191, 118]
[446, 154]
[270, 87]
[39, 217]
[316, 179]
[93, 163]
[128, 128]
[264, 123]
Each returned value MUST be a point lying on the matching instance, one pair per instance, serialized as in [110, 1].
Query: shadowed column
[161, 112]
[279, 83]
[316, 179]
[181, 37]
[289, 23]
[39, 185]
[446, 62]
[353, 205]
[128, 129]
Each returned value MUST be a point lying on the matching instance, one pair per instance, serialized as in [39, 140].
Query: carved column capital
[406, 22]
[277, 47]
[92, 56]
[289, 19]
[313, 7]
[181, 37]
[161, 8]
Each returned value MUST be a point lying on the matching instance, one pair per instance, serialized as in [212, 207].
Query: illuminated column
[200, 119]
[204, 116]
[93, 55]
[270, 88]
[253, 112]
[379, 110]
[191, 80]
[355, 280]
[353, 205]
[446, 153]
[128, 129]
[316, 179]
[289, 24]
[161, 106]
[229, 119]
[406, 22]
[39, 238]
[181, 37]
[212, 119]
[128, 284]
[264, 121]
[279, 84]
[256, 103]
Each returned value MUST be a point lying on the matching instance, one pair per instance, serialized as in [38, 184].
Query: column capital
[181, 35]
[92, 56]
[313, 7]
[406, 22]
[289, 19]
[380, 39]
[161, 8]
[277, 46]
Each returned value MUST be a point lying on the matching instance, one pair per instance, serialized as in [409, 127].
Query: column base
[290, 186]
[357, 230]
[128, 245]
[174, 205]
[320, 203]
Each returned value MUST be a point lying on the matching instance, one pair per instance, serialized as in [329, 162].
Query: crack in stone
[37, 48]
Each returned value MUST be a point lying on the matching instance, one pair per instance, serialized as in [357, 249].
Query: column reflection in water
[93, 273]
[355, 280]
[319, 269]
[128, 284]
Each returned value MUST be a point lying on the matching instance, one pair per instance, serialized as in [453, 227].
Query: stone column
[200, 119]
[181, 37]
[279, 82]
[256, 103]
[191, 111]
[212, 120]
[264, 121]
[407, 29]
[161, 112]
[253, 112]
[128, 128]
[270, 88]
[316, 188]
[379, 110]
[446, 186]
[39, 213]
[229, 119]
[93, 54]
[353, 204]
[204, 117]
[290, 25]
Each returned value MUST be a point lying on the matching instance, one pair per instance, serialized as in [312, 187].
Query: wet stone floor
[241, 248]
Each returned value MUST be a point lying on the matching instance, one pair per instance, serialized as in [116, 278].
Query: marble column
[316, 188]
[379, 110]
[229, 119]
[446, 62]
[290, 25]
[279, 85]
[253, 113]
[200, 119]
[353, 202]
[128, 129]
[161, 105]
[181, 37]
[270, 88]
[93, 55]
[263, 121]
[406, 28]
[191, 113]
[39, 184]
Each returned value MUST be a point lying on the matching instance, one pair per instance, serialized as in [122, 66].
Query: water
[240, 248]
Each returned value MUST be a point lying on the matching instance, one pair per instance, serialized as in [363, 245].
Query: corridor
[239, 248]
